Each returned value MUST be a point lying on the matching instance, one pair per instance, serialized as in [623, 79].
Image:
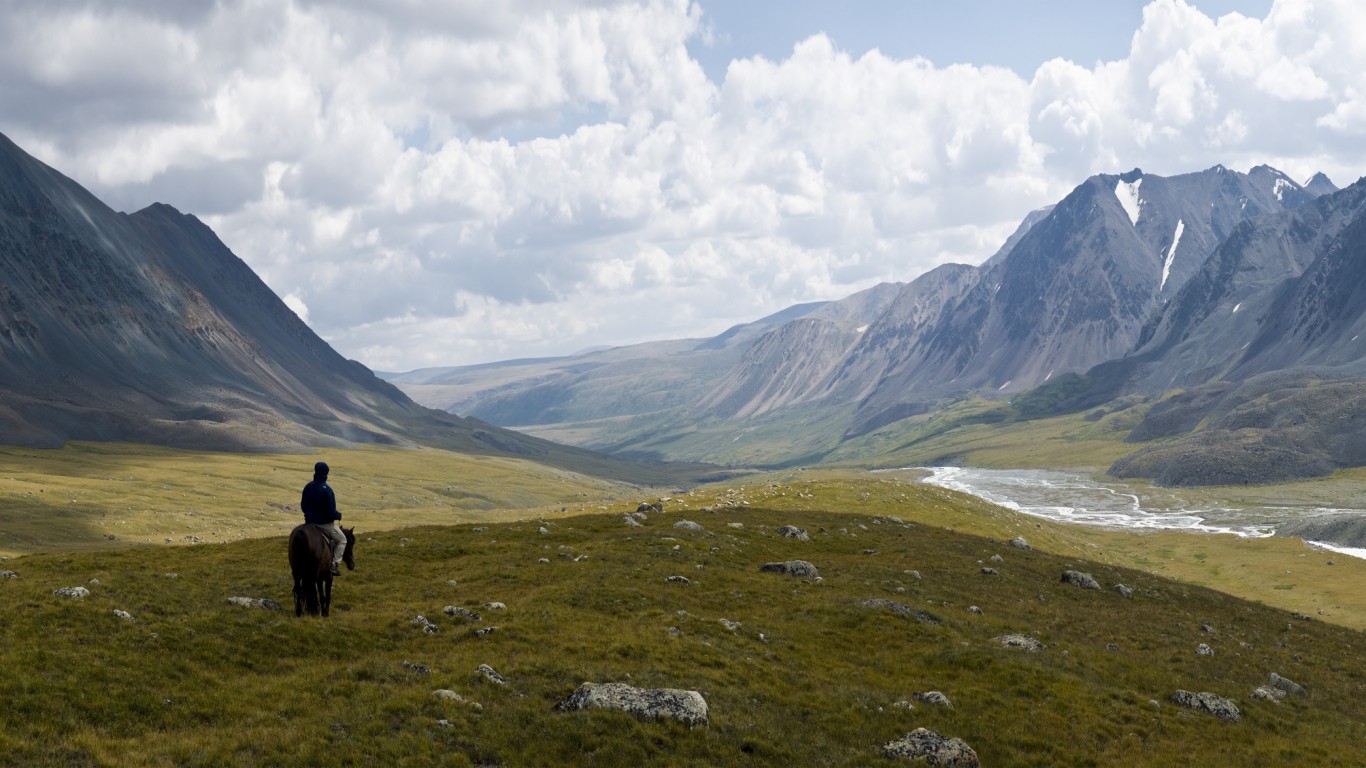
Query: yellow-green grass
[98, 495]
[809, 677]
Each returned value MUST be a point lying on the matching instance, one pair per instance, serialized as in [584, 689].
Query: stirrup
[336, 569]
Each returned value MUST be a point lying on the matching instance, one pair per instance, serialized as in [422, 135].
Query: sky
[449, 183]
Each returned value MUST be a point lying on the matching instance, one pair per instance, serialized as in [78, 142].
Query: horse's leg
[326, 589]
[298, 596]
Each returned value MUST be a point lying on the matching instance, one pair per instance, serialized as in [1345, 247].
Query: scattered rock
[1019, 543]
[1268, 693]
[975, 609]
[1289, 686]
[903, 704]
[687, 707]
[442, 693]
[793, 532]
[419, 620]
[1209, 703]
[799, 568]
[731, 625]
[463, 613]
[895, 607]
[543, 531]
[736, 526]
[631, 521]
[1203, 650]
[1080, 579]
[490, 674]
[1112, 646]
[988, 572]
[651, 507]
[934, 698]
[688, 525]
[1123, 590]
[679, 579]
[125, 615]
[417, 669]
[73, 592]
[997, 559]
[255, 602]
[431, 629]
[495, 606]
[485, 632]
[8, 575]
[1023, 642]
[924, 744]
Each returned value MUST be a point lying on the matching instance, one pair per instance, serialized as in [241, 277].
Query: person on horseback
[319, 504]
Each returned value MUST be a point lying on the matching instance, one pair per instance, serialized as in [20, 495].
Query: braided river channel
[1081, 498]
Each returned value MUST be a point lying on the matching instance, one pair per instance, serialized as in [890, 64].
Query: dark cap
[320, 468]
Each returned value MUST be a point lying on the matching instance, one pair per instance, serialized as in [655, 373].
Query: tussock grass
[809, 677]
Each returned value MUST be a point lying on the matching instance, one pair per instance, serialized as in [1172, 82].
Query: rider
[320, 508]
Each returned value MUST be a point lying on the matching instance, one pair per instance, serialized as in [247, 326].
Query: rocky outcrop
[687, 707]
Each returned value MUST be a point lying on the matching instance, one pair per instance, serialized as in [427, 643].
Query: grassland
[809, 677]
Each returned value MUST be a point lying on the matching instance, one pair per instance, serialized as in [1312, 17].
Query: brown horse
[310, 560]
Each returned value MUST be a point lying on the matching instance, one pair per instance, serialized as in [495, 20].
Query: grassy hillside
[808, 676]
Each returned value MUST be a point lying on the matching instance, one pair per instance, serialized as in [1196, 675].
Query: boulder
[1022, 642]
[72, 592]
[1077, 578]
[799, 568]
[793, 532]
[490, 674]
[1203, 650]
[1289, 686]
[8, 575]
[924, 744]
[631, 522]
[1127, 592]
[688, 525]
[1267, 693]
[1209, 703]
[687, 707]
[1019, 543]
[932, 697]
[125, 615]
[462, 613]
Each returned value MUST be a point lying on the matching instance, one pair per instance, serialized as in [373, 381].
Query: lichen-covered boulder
[1077, 578]
[687, 707]
[1022, 642]
[1209, 703]
[793, 532]
[924, 744]
[799, 568]
[74, 592]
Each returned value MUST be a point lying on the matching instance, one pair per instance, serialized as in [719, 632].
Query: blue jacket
[319, 503]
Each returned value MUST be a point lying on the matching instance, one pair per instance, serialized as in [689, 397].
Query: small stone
[1127, 592]
[632, 522]
[793, 532]
[8, 575]
[125, 615]
[447, 695]
[731, 625]
[1289, 686]
[463, 613]
[431, 629]
[997, 559]
[485, 632]
[543, 531]
[495, 606]
[72, 592]
[1204, 650]
[934, 698]
[678, 580]
[1268, 693]
[417, 669]
[974, 609]
[988, 572]
[688, 525]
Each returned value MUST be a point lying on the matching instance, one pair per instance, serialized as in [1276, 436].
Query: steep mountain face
[1073, 290]
[146, 328]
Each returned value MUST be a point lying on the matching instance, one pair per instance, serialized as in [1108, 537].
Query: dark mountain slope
[146, 328]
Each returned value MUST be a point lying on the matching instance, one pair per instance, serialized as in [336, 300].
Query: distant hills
[1225, 308]
[145, 328]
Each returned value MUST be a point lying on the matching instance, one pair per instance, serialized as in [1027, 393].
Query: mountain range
[1226, 307]
[146, 328]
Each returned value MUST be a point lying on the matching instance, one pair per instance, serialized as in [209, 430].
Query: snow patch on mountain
[1281, 186]
[1171, 253]
[1127, 193]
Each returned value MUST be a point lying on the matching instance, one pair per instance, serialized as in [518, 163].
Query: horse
[310, 560]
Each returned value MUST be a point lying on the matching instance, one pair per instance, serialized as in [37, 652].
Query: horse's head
[349, 557]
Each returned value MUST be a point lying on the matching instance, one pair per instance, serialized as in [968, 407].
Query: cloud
[449, 183]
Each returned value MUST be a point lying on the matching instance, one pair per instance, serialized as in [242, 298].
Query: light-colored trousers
[334, 532]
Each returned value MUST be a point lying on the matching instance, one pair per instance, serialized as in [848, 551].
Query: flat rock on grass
[933, 749]
[793, 532]
[687, 707]
[799, 568]
[898, 608]
[1023, 642]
